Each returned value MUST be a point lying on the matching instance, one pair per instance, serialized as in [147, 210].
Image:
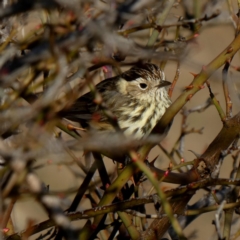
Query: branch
[196, 85]
[210, 158]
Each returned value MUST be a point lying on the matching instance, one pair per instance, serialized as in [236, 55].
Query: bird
[137, 98]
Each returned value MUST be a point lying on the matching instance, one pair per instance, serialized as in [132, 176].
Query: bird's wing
[84, 109]
[81, 110]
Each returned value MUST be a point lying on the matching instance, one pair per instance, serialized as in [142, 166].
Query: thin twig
[167, 6]
[226, 90]
[217, 219]
[216, 103]
[170, 91]
[158, 27]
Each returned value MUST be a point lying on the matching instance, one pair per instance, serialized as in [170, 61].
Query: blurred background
[60, 172]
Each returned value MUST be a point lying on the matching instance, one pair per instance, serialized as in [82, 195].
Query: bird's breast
[139, 121]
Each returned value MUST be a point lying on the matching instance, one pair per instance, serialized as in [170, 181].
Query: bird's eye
[143, 85]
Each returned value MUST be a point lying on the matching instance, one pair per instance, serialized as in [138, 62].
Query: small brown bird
[137, 98]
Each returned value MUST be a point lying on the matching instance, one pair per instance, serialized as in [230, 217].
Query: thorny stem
[10, 37]
[221, 142]
[216, 103]
[170, 91]
[166, 206]
[211, 208]
[127, 204]
[158, 26]
[231, 198]
[83, 188]
[167, 7]
[227, 222]
[133, 233]
[7, 214]
[109, 195]
[182, 165]
[197, 8]
[199, 211]
[198, 81]
[197, 11]
[226, 90]
[177, 34]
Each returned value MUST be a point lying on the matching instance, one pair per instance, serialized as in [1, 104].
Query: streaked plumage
[137, 98]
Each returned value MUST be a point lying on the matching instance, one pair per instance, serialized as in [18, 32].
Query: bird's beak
[164, 83]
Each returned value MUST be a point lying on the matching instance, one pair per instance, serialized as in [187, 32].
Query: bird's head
[143, 82]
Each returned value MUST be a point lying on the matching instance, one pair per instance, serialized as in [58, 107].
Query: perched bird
[137, 98]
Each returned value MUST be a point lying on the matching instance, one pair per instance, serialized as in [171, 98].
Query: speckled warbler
[138, 98]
